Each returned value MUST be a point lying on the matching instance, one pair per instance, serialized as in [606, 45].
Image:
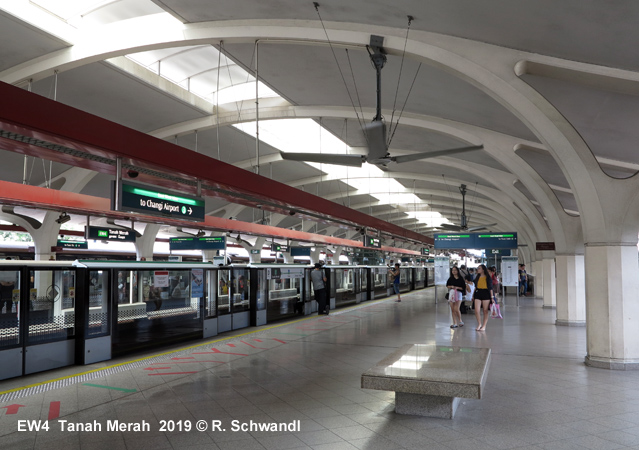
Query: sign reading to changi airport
[197, 243]
[111, 234]
[454, 241]
[73, 244]
[372, 242]
[301, 251]
[157, 202]
[475, 240]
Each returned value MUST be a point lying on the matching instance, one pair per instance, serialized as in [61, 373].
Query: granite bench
[429, 380]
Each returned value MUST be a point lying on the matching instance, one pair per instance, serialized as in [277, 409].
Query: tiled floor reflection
[539, 394]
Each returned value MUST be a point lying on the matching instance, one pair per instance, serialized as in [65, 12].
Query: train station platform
[304, 377]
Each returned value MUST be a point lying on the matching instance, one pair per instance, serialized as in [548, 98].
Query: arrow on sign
[190, 211]
[12, 409]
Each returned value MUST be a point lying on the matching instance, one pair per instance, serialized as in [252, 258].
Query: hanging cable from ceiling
[350, 65]
[217, 101]
[472, 205]
[399, 78]
[316, 5]
[451, 198]
[404, 105]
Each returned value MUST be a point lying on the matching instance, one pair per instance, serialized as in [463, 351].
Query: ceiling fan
[463, 226]
[375, 132]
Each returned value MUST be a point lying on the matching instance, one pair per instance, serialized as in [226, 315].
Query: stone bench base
[426, 405]
[429, 380]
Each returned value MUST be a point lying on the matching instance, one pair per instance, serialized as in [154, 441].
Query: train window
[223, 287]
[9, 307]
[240, 290]
[51, 311]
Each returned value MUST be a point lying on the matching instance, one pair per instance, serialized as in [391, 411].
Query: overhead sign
[73, 244]
[301, 251]
[454, 241]
[276, 248]
[496, 240]
[198, 243]
[255, 251]
[158, 202]
[425, 251]
[476, 240]
[545, 246]
[111, 234]
[372, 242]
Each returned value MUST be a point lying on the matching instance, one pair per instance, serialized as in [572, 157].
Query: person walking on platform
[319, 287]
[395, 277]
[523, 280]
[482, 297]
[457, 286]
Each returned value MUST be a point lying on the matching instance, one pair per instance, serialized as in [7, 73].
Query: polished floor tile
[306, 375]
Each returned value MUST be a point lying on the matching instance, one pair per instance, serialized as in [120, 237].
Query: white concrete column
[315, 255]
[207, 255]
[550, 292]
[335, 258]
[45, 237]
[538, 272]
[571, 290]
[145, 243]
[612, 306]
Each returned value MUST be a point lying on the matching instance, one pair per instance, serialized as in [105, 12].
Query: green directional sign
[110, 234]
[73, 244]
[425, 251]
[197, 243]
[153, 201]
[372, 242]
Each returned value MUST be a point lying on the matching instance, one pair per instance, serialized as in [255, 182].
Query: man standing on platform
[318, 278]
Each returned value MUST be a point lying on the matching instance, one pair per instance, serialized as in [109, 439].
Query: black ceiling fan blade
[452, 227]
[326, 158]
[436, 153]
[483, 227]
[375, 134]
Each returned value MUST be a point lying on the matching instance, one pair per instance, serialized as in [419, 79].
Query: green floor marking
[110, 387]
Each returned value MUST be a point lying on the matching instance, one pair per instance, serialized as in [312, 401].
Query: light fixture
[64, 218]
[200, 233]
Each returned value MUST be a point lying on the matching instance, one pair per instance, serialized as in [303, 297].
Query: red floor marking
[257, 340]
[189, 357]
[12, 409]
[156, 368]
[215, 350]
[231, 345]
[252, 345]
[170, 373]
[331, 321]
[54, 410]
[194, 362]
[279, 340]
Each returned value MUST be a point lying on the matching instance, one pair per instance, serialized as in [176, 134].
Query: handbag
[447, 296]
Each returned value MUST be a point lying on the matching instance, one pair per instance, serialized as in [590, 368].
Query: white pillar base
[571, 290]
[549, 294]
[611, 306]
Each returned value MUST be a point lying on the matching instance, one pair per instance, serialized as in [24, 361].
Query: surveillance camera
[258, 206]
[133, 173]
[291, 213]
